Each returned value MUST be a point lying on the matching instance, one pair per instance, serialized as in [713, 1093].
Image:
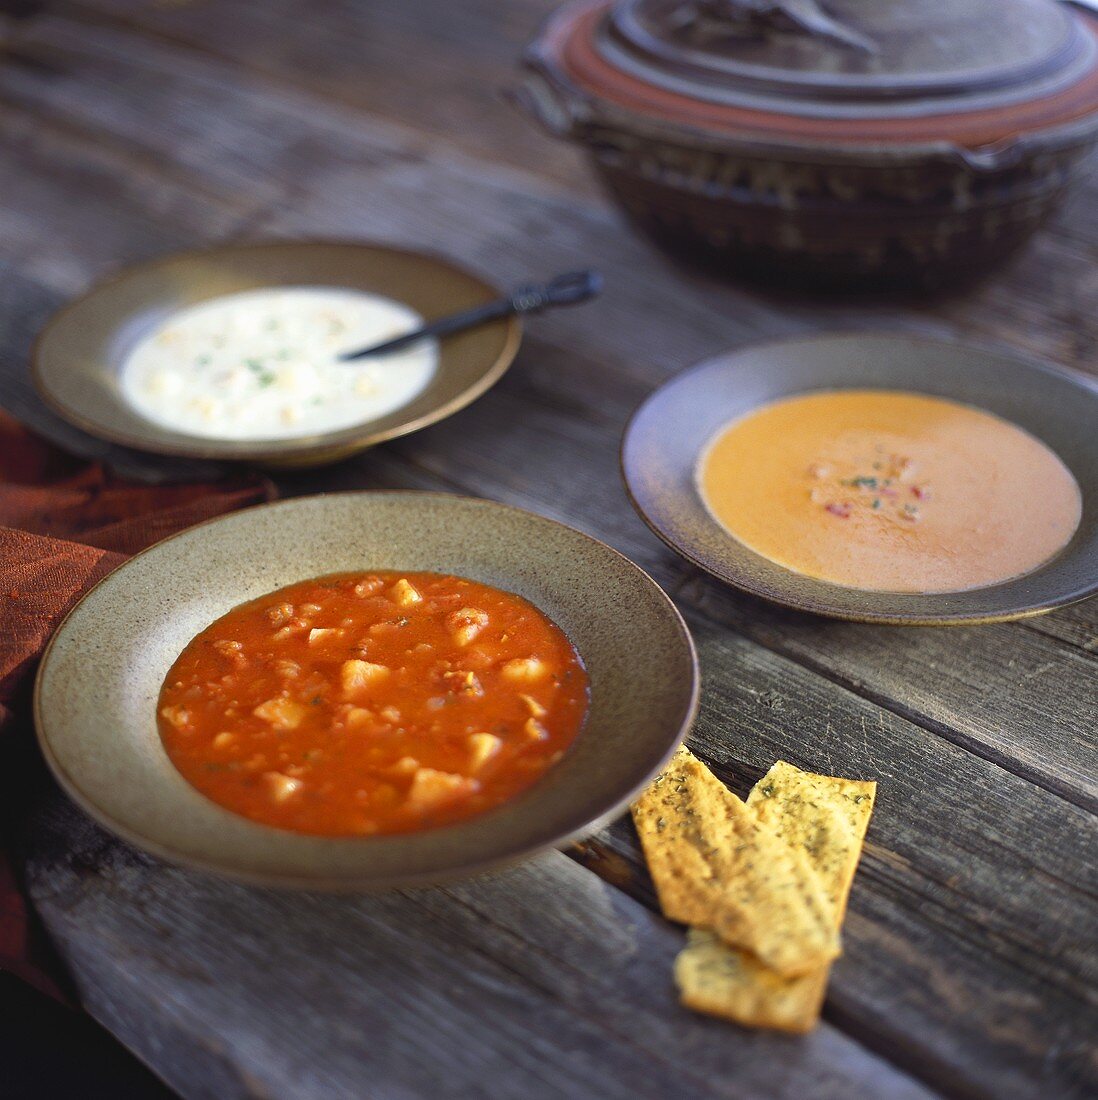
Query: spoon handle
[564, 290]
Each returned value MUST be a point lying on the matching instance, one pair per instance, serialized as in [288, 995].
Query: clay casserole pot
[899, 142]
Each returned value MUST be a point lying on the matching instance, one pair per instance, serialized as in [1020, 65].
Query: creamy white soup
[263, 364]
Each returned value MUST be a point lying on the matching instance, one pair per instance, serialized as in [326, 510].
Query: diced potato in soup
[355, 704]
[405, 593]
[284, 714]
[431, 788]
[525, 669]
[356, 674]
[482, 747]
[466, 624]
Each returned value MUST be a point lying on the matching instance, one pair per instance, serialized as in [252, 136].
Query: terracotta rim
[346, 440]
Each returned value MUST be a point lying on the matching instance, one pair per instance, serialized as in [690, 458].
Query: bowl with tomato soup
[878, 478]
[365, 690]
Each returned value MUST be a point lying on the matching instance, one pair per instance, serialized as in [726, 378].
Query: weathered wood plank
[71, 78]
[1041, 304]
[538, 982]
[997, 690]
[74, 210]
[1076, 625]
[444, 72]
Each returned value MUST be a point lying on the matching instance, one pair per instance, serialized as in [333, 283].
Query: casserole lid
[971, 73]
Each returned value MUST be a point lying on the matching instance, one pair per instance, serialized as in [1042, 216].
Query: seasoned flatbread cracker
[716, 867]
[826, 817]
[724, 981]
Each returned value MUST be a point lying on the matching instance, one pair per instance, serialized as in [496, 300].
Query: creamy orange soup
[890, 491]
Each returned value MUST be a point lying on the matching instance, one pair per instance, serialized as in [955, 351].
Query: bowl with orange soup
[875, 477]
[365, 690]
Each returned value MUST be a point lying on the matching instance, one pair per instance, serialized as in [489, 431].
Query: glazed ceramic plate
[666, 435]
[79, 355]
[96, 694]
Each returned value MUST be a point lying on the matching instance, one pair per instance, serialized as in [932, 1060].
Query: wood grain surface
[133, 127]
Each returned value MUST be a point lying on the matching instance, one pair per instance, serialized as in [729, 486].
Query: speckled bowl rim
[365, 882]
[778, 593]
[337, 443]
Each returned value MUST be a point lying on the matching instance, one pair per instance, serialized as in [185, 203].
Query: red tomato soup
[370, 703]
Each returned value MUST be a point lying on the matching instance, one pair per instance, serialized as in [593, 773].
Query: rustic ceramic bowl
[95, 698]
[664, 439]
[79, 355]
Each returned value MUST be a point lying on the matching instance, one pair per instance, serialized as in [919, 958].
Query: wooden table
[134, 127]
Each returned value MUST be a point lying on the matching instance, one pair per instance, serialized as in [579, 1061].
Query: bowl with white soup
[235, 353]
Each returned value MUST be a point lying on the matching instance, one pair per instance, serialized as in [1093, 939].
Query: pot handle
[806, 16]
[993, 157]
[558, 114]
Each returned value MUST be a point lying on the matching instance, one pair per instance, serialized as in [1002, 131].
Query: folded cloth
[65, 524]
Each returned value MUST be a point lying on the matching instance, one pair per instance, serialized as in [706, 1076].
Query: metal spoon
[564, 290]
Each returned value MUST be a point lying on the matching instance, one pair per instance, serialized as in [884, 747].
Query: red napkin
[64, 524]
